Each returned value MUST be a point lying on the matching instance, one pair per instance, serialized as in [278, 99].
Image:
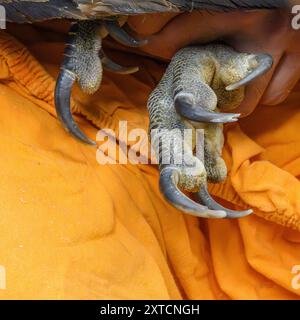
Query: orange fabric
[71, 228]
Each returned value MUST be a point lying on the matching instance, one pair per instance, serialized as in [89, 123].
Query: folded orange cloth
[71, 228]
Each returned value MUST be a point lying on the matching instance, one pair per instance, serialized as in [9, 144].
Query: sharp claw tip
[231, 87]
[227, 119]
[135, 69]
[207, 200]
[240, 214]
[80, 137]
[140, 43]
[217, 214]
[91, 142]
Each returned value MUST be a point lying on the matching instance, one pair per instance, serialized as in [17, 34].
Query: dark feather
[30, 11]
[142, 6]
[35, 10]
[229, 4]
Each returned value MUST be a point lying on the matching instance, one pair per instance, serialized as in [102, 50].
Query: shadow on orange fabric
[72, 229]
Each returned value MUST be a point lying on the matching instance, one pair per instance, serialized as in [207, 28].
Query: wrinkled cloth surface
[73, 229]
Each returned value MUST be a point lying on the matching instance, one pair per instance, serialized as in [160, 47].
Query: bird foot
[84, 61]
[198, 84]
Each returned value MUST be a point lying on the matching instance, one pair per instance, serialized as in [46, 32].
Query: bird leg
[83, 62]
[199, 82]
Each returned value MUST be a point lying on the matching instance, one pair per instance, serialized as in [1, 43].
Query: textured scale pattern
[82, 55]
[195, 72]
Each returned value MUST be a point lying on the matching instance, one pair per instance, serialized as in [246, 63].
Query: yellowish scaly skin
[199, 83]
[201, 74]
[85, 61]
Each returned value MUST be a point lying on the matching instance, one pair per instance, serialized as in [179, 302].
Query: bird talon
[200, 114]
[207, 200]
[121, 36]
[190, 95]
[111, 66]
[83, 62]
[168, 183]
[264, 63]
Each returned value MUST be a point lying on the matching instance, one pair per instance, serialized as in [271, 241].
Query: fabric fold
[71, 228]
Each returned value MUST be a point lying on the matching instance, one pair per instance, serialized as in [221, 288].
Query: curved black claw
[117, 33]
[63, 89]
[207, 200]
[265, 63]
[186, 109]
[111, 66]
[168, 186]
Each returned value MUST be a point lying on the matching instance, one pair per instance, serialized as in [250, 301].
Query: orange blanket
[71, 228]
